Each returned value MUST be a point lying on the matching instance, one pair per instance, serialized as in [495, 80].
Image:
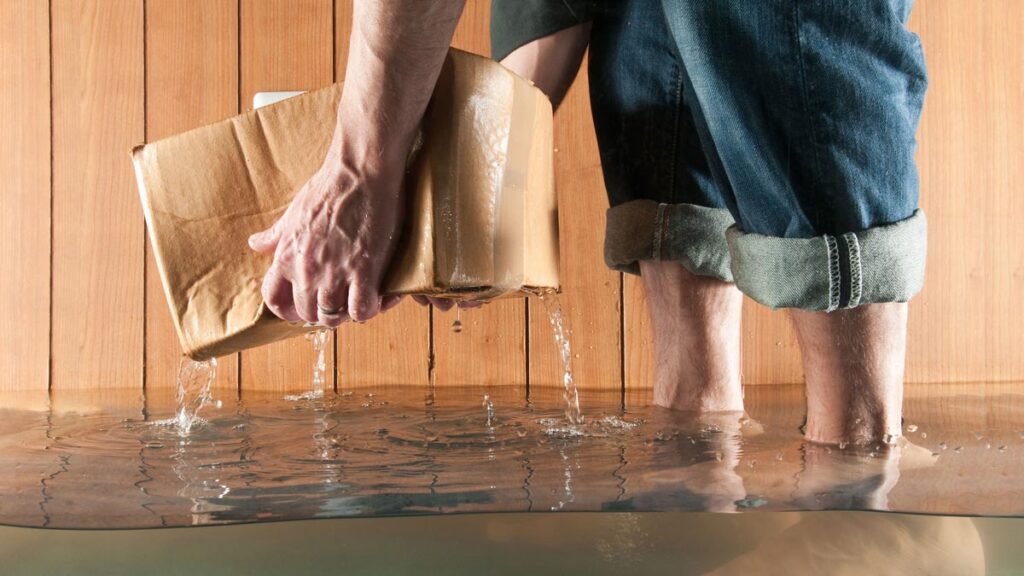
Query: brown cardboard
[481, 216]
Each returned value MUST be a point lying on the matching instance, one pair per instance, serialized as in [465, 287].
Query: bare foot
[858, 478]
[697, 458]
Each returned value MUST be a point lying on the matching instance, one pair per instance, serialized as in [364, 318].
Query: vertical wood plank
[393, 348]
[491, 348]
[191, 80]
[98, 284]
[965, 325]
[771, 354]
[25, 195]
[590, 291]
[638, 347]
[285, 45]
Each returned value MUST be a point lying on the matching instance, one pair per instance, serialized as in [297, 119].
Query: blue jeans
[767, 142]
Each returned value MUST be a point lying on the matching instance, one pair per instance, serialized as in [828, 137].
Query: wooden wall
[82, 81]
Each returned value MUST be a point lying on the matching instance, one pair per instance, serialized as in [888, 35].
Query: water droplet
[457, 326]
[779, 456]
[912, 428]
[154, 445]
[988, 445]
[843, 445]
[943, 445]
[718, 456]
[978, 435]
[924, 434]
[958, 449]
[1002, 448]
[752, 463]
[888, 439]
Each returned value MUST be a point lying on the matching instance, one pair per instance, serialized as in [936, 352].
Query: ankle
[853, 366]
[696, 325]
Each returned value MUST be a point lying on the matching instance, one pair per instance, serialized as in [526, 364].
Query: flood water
[107, 460]
[674, 543]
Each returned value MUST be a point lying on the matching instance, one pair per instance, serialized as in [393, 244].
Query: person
[760, 148]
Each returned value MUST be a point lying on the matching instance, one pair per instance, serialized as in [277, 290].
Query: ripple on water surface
[86, 460]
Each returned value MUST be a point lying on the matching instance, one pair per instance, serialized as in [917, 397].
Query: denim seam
[673, 164]
[855, 269]
[834, 276]
[571, 11]
[806, 94]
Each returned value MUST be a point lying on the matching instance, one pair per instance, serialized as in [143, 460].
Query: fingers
[334, 299]
[363, 301]
[442, 304]
[388, 302]
[266, 241]
[305, 303]
[445, 304]
[277, 293]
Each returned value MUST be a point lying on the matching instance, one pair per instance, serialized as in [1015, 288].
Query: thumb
[266, 241]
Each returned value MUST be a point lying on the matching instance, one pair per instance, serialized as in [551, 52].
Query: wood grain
[285, 45]
[393, 348]
[491, 349]
[590, 291]
[965, 325]
[191, 80]
[98, 254]
[112, 88]
[25, 195]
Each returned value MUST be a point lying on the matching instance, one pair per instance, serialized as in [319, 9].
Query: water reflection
[93, 460]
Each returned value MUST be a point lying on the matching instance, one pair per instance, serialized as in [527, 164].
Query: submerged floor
[101, 460]
[782, 543]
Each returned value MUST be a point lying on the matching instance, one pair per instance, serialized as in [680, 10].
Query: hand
[446, 304]
[331, 247]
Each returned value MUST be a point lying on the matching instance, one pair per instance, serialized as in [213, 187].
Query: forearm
[396, 51]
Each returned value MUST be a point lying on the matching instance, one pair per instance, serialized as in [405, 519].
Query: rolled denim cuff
[880, 264]
[690, 234]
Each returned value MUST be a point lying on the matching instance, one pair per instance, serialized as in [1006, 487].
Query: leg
[696, 325]
[542, 40]
[853, 362]
[807, 113]
[551, 62]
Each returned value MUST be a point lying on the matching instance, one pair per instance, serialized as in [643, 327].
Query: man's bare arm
[395, 55]
[332, 246]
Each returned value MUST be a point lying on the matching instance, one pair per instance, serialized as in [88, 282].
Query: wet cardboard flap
[481, 217]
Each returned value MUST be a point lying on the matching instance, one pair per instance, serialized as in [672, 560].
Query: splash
[489, 408]
[560, 331]
[318, 339]
[195, 380]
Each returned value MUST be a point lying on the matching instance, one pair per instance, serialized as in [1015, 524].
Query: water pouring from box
[480, 216]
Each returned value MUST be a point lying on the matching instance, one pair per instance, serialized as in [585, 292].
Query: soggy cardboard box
[481, 217]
